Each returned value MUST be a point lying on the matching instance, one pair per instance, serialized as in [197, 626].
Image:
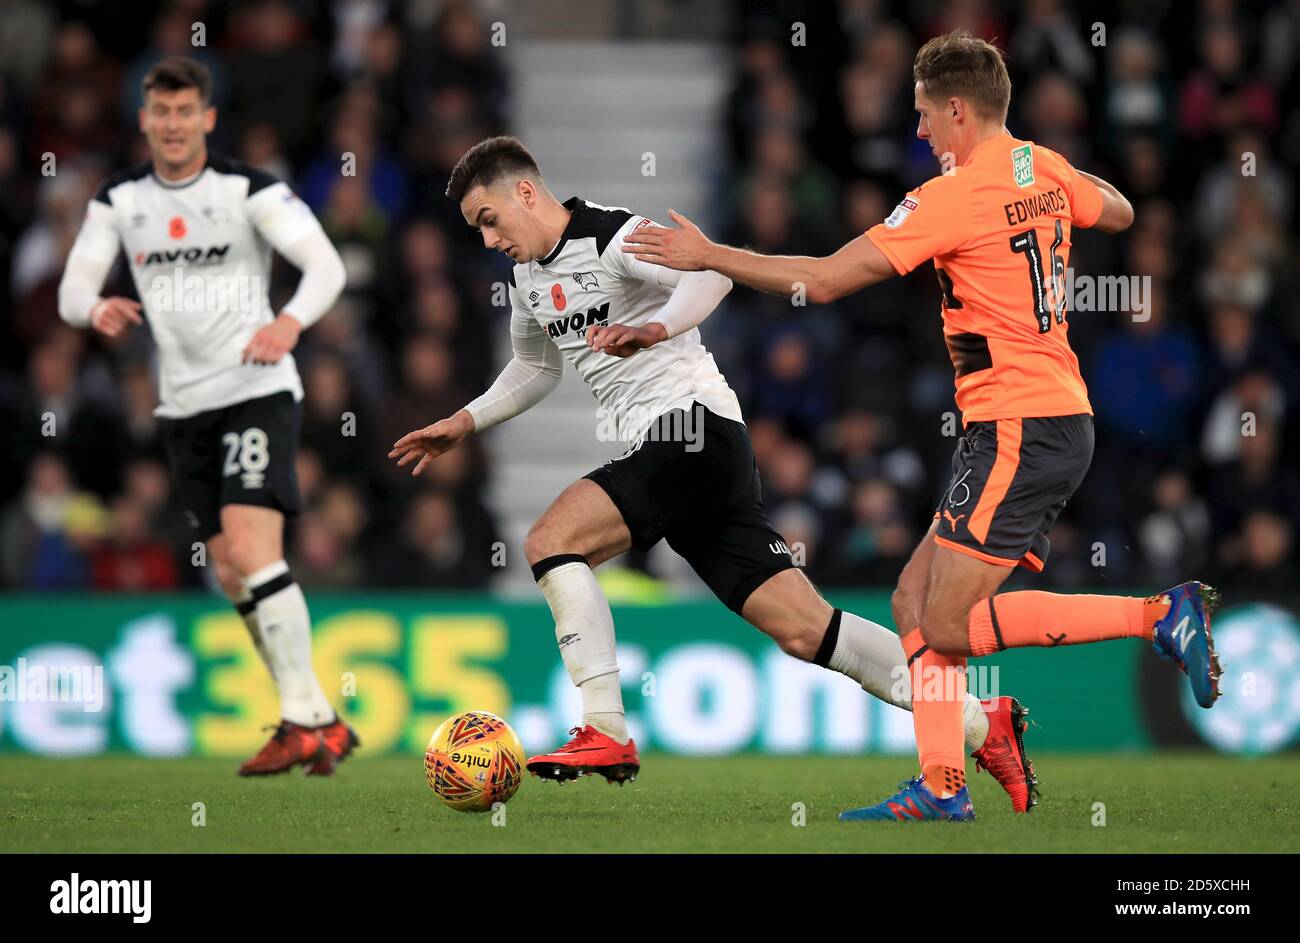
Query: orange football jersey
[998, 229]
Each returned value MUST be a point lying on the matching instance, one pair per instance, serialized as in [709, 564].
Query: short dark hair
[959, 65]
[177, 72]
[489, 161]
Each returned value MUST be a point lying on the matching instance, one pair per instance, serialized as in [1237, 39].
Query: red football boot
[1003, 754]
[290, 745]
[590, 751]
[338, 740]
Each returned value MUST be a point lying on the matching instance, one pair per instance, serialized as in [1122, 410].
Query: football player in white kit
[198, 230]
[630, 329]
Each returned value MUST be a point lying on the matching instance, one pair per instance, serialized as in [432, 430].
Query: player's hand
[685, 249]
[624, 340]
[428, 443]
[112, 316]
[273, 341]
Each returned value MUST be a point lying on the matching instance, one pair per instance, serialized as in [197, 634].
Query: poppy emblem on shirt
[176, 227]
[557, 297]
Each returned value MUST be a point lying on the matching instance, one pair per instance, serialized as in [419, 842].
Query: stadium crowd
[1192, 110]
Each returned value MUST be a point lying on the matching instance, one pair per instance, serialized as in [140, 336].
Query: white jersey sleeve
[695, 294]
[89, 262]
[292, 229]
[533, 372]
[627, 265]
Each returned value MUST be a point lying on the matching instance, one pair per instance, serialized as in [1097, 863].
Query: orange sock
[938, 701]
[1033, 618]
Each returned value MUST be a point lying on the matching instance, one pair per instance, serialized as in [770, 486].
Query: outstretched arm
[855, 266]
[533, 371]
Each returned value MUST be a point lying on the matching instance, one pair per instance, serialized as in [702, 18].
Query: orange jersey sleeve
[998, 228]
[928, 222]
[1085, 196]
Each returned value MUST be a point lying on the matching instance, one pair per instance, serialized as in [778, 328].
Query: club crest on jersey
[1022, 165]
[585, 280]
[578, 321]
[901, 212]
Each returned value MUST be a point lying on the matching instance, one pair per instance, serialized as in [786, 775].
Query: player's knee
[541, 542]
[796, 641]
[232, 584]
[905, 607]
[797, 634]
[944, 635]
[245, 555]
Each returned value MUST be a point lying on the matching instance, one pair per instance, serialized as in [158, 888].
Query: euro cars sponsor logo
[1022, 165]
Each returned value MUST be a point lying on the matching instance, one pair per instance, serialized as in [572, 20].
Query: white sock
[584, 630]
[285, 628]
[248, 612]
[873, 656]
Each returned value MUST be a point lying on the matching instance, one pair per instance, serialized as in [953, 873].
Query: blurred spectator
[48, 531]
[129, 559]
[430, 550]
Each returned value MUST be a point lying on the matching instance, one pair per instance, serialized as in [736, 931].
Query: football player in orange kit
[997, 224]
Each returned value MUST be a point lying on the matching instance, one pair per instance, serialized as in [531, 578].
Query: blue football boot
[915, 802]
[1183, 636]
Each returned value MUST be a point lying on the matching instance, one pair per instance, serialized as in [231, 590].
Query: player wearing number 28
[198, 230]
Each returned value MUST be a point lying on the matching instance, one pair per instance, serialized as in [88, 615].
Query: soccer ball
[473, 761]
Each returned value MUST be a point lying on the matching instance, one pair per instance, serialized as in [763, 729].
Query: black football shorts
[1010, 480]
[693, 482]
[244, 453]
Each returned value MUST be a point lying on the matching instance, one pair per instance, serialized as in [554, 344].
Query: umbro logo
[534, 298]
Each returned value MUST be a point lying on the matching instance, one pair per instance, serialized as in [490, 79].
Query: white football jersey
[200, 254]
[587, 280]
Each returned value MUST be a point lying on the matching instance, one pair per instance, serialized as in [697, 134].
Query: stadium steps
[589, 128]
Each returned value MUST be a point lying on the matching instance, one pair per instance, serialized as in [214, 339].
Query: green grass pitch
[1165, 803]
